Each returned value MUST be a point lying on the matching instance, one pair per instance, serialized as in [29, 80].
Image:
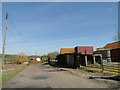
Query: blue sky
[47, 27]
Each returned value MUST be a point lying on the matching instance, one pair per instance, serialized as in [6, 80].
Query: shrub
[21, 58]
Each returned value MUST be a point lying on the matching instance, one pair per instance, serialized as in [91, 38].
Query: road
[38, 76]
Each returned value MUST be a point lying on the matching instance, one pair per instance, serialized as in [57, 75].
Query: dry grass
[112, 68]
[10, 71]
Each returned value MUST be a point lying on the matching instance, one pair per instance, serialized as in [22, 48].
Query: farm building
[115, 55]
[105, 52]
[109, 52]
[66, 60]
[71, 60]
[66, 57]
[114, 45]
[84, 55]
[115, 51]
[75, 57]
[86, 52]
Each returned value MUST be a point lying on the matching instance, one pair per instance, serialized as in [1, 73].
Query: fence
[112, 68]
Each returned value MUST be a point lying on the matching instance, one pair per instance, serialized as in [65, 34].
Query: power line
[23, 48]
[13, 35]
[2, 25]
[19, 33]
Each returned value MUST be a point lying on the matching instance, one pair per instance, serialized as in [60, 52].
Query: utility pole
[3, 56]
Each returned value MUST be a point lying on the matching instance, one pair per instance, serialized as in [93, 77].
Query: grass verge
[10, 73]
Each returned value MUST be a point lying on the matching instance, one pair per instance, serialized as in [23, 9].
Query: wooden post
[3, 56]
[102, 64]
[86, 60]
[94, 59]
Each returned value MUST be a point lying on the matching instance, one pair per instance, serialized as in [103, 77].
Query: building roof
[114, 45]
[98, 49]
[84, 49]
[67, 50]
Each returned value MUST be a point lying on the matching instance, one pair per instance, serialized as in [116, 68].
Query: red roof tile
[84, 49]
[114, 45]
[67, 50]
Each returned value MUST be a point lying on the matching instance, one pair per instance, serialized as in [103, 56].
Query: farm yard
[70, 61]
[49, 78]
[60, 45]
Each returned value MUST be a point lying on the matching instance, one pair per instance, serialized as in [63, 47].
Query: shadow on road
[14, 83]
[116, 78]
[55, 64]
[39, 77]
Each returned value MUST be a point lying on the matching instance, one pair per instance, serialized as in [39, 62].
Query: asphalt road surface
[39, 76]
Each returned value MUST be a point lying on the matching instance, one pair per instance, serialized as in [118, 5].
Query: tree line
[21, 58]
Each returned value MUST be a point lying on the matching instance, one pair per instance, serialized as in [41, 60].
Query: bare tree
[116, 37]
[53, 54]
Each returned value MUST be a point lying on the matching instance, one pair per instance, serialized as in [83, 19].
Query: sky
[45, 27]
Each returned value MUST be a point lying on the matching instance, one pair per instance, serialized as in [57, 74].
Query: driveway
[38, 76]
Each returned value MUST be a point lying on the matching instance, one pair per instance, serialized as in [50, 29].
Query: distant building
[38, 59]
[33, 59]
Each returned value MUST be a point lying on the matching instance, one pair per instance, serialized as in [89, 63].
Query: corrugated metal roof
[67, 50]
[114, 45]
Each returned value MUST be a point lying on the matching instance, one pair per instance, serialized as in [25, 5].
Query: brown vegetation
[21, 58]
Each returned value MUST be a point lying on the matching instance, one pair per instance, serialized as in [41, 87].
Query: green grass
[7, 75]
